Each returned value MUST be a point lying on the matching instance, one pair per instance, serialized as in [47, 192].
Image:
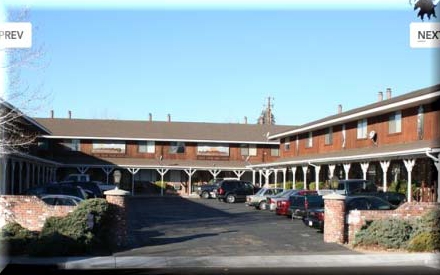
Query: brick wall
[29, 211]
[356, 219]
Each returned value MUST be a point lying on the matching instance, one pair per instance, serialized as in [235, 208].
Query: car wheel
[262, 205]
[205, 195]
[230, 198]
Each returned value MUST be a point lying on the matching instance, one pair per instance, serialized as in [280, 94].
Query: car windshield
[260, 192]
[285, 193]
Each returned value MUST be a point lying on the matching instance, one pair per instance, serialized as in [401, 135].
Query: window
[43, 144]
[309, 140]
[329, 136]
[71, 144]
[275, 152]
[248, 150]
[395, 123]
[147, 147]
[108, 147]
[362, 128]
[177, 147]
[287, 144]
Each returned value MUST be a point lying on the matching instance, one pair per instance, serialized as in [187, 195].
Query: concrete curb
[295, 261]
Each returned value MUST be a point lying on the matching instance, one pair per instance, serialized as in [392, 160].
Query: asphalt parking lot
[174, 226]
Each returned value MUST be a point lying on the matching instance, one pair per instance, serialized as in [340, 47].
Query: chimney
[388, 93]
[379, 96]
[339, 108]
[169, 117]
[70, 114]
[245, 120]
[52, 114]
[150, 117]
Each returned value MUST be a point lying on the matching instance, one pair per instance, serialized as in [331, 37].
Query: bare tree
[22, 99]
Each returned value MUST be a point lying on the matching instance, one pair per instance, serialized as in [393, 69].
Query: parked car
[283, 206]
[300, 204]
[206, 191]
[260, 198]
[91, 188]
[272, 200]
[394, 198]
[61, 200]
[77, 177]
[57, 189]
[315, 217]
[233, 190]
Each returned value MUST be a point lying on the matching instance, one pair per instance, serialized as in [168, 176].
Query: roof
[372, 153]
[414, 98]
[24, 119]
[91, 161]
[160, 130]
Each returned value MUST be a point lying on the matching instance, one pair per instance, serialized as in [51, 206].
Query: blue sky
[219, 64]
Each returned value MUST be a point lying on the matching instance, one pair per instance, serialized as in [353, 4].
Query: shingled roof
[160, 130]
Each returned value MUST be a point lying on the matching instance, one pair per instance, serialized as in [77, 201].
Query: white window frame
[395, 123]
[328, 138]
[362, 128]
[148, 146]
[273, 150]
[287, 144]
[309, 143]
[248, 150]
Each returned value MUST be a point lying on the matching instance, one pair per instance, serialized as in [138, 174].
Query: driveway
[174, 226]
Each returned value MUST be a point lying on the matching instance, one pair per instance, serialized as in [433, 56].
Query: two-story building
[394, 138]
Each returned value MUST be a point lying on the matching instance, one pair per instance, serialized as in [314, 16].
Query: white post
[133, 172]
[305, 176]
[107, 171]
[384, 164]
[260, 172]
[284, 177]
[409, 164]
[253, 177]
[190, 172]
[317, 169]
[293, 177]
[82, 169]
[276, 177]
[331, 169]
[162, 173]
[239, 173]
[266, 174]
[346, 169]
[12, 177]
[215, 173]
[437, 165]
[364, 167]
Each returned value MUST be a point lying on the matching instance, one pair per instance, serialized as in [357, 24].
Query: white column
[133, 172]
[293, 177]
[215, 173]
[83, 169]
[364, 167]
[162, 173]
[12, 177]
[437, 165]
[107, 171]
[385, 164]
[261, 177]
[317, 169]
[284, 177]
[331, 169]
[239, 173]
[276, 177]
[346, 169]
[266, 174]
[305, 176]
[409, 164]
[190, 172]
[253, 177]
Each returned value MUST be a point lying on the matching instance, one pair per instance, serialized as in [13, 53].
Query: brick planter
[334, 214]
[117, 198]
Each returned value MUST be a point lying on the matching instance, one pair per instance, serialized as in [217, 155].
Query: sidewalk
[431, 260]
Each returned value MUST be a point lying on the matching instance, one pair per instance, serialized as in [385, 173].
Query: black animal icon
[427, 7]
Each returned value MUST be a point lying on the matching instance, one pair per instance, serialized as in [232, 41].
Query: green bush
[387, 233]
[401, 186]
[312, 185]
[16, 238]
[73, 235]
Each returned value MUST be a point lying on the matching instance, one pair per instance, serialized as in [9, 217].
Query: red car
[284, 205]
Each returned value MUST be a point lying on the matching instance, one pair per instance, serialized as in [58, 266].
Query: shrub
[425, 241]
[17, 238]
[312, 185]
[73, 235]
[388, 233]
[401, 186]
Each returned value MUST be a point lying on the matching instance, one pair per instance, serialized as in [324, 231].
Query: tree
[19, 99]
[267, 116]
